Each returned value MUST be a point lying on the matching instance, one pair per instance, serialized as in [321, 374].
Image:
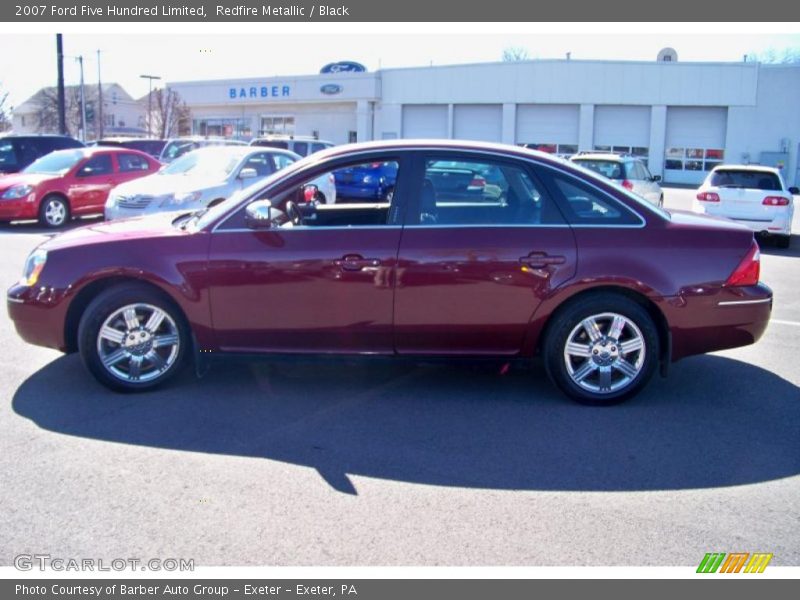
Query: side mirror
[248, 173]
[794, 191]
[259, 214]
[656, 177]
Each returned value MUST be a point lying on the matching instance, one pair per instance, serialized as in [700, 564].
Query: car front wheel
[602, 349]
[131, 338]
[54, 212]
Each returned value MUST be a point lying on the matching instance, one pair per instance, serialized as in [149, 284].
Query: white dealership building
[681, 117]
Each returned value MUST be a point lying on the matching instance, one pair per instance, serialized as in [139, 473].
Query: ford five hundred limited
[550, 260]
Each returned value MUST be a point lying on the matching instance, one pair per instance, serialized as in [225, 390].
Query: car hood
[159, 184]
[158, 225]
[8, 181]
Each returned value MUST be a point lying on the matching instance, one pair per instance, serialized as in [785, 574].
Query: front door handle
[356, 262]
[537, 260]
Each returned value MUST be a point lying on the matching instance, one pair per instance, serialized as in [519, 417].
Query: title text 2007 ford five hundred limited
[481, 251]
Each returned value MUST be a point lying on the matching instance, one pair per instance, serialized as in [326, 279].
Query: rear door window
[586, 205]
[132, 163]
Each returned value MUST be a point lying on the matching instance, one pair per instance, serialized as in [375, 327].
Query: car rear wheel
[54, 212]
[131, 338]
[602, 349]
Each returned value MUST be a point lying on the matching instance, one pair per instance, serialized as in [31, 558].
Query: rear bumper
[730, 318]
[778, 221]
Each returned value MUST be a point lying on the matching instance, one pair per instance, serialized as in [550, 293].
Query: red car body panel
[86, 195]
[415, 291]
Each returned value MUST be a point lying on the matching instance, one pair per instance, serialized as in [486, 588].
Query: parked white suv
[753, 195]
[628, 171]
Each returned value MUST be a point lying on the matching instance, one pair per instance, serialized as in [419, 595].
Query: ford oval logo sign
[331, 89]
[343, 66]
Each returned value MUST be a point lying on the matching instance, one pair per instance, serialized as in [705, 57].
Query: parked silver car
[177, 147]
[628, 171]
[198, 179]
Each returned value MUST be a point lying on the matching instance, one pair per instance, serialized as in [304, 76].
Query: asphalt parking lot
[274, 463]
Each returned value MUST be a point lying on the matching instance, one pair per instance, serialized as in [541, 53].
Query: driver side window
[354, 195]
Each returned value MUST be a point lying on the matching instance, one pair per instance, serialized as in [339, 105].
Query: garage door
[424, 121]
[548, 127]
[623, 129]
[483, 122]
[695, 142]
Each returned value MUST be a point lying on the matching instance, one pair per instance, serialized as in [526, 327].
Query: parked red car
[547, 260]
[69, 183]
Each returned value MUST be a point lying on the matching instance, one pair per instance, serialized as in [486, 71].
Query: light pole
[149, 101]
[98, 124]
[83, 102]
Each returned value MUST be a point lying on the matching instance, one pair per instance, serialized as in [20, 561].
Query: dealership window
[277, 125]
[693, 159]
[222, 127]
[550, 148]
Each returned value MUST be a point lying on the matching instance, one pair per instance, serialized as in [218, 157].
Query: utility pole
[62, 116]
[150, 102]
[99, 114]
[83, 102]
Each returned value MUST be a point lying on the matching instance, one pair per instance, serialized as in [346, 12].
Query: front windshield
[55, 162]
[211, 163]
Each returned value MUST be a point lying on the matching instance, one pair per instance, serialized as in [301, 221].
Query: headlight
[33, 267]
[183, 198]
[17, 191]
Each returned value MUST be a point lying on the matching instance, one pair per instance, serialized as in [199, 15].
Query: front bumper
[11, 210]
[39, 315]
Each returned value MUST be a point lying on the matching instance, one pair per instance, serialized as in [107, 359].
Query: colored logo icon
[737, 562]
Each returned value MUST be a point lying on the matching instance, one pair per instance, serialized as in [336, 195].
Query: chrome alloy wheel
[55, 212]
[138, 342]
[604, 353]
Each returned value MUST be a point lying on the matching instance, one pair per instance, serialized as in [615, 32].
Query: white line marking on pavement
[782, 322]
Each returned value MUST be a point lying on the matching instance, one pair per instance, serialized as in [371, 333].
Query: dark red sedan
[543, 258]
[70, 183]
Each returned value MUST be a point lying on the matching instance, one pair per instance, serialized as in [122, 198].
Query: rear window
[607, 168]
[755, 180]
[271, 144]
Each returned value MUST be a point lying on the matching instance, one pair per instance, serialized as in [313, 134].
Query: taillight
[708, 197]
[627, 184]
[775, 201]
[749, 269]
[477, 181]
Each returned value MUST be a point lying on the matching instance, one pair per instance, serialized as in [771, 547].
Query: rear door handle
[356, 262]
[541, 259]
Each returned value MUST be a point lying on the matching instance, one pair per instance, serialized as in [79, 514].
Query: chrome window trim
[309, 228]
[507, 156]
[743, 302]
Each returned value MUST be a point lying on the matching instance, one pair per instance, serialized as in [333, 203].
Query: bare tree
[5, 121]
[515, 54]
[771, 56]
[170, 114]
[46, 103]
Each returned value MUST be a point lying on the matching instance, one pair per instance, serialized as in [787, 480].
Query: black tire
[783, 241]
[54, 211]
[567, 321]
[107, 304]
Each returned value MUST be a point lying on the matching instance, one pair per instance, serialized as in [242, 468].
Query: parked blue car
[372, 181]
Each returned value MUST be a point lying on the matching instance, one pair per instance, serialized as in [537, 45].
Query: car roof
[609, 156]
[241, 151]
[753, 168]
